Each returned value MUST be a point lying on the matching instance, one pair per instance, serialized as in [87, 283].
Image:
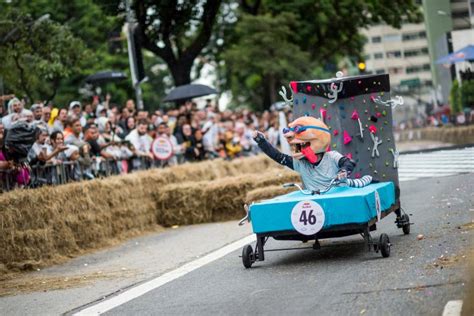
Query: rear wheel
[384, 245]
[248, 257]
[406, 224]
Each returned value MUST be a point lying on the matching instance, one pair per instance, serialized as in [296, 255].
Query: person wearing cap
[75, 109]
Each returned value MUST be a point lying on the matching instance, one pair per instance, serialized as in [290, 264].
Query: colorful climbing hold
[355, 115]
[335, 132]
[313, 106]
[346, 137]
[323, 113]
[373, 129]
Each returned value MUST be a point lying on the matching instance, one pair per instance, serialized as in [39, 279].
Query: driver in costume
[310, 138]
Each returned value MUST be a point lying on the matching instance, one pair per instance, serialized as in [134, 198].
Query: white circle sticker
[307, 217]
[162, 148]
[378, 207]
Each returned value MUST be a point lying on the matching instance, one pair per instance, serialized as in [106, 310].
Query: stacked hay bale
[47, 225]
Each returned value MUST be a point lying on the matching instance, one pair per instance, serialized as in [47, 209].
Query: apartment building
[402, 53]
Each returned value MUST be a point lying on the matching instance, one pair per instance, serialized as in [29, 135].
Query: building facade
[402, 53]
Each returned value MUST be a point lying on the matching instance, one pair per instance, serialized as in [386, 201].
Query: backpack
[18, 141]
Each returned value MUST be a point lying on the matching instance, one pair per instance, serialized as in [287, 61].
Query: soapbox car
[336, 211]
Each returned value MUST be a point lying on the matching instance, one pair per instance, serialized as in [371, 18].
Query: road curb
[427, 150]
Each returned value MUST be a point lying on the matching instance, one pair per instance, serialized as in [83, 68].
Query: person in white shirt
[15, 110]
[141, 142]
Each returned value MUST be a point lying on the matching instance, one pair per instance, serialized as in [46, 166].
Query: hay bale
[265, 193]
[204, 201]
[49, 224]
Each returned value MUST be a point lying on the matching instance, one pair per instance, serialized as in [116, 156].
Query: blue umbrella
[464, 54]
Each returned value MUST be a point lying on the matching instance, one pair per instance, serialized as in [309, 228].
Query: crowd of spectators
[93, 139]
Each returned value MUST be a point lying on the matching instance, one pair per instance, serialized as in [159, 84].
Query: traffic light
[362, 67]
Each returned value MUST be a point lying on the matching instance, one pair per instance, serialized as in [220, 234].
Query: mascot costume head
[309, 137]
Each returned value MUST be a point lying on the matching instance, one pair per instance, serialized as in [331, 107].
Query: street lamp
[444, 13]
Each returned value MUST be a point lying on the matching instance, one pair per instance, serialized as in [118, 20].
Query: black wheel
[406, 224]
[384, 245]
[247, 256]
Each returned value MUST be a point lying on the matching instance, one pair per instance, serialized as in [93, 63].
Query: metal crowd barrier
[71, 171]
[8, 180]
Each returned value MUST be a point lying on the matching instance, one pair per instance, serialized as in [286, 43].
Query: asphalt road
[342, 278]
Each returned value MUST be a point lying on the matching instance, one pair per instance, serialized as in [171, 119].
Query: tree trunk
[270, 92]
[180, 71]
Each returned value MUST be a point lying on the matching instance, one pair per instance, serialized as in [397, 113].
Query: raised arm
[271, 151]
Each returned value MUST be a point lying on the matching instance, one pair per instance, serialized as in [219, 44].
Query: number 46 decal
[310, 218]
[307, 217]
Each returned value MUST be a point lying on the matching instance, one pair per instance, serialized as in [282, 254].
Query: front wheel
[384, 245]
[248, 257]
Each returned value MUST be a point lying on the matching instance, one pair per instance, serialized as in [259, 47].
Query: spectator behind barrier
[141, 143]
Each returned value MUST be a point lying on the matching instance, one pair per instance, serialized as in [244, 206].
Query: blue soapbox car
[336, 211]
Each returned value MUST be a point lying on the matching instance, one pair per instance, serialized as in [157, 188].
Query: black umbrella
[106, 76]
[189, 91]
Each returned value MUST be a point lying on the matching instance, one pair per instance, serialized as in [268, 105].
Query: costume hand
[256, 133]
[342, 175]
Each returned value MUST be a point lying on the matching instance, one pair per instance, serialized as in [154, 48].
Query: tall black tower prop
[358, 112]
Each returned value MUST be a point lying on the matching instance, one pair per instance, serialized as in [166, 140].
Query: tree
[264, 56]
[455, 98]
[176, 31]
[326, 30]
[467, 94]
[37, 54]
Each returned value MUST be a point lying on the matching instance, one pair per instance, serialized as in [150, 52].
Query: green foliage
[265, 55]
[322, 34]
[467, 94]
[37, 54]
[455, 98]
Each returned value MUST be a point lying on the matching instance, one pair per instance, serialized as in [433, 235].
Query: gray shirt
[318, 177]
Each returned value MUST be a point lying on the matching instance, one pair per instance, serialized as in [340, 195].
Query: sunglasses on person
[301, 128]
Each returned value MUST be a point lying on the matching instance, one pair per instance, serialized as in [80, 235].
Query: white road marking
[148, 286]
[453, 308]
[436, 164]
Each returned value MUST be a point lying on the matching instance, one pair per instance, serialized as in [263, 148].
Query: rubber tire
[384, 245]
[247, 256]
[406, 226]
